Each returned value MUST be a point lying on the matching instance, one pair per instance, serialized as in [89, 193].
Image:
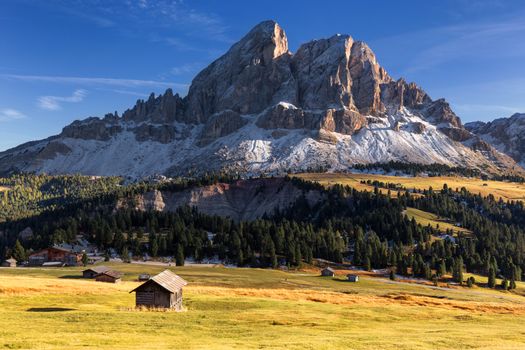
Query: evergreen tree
[19, 253]
[492, 278]
[392, 275]
[84, 259]
[179, 257]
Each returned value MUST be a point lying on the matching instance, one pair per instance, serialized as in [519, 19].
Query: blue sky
[65, 60]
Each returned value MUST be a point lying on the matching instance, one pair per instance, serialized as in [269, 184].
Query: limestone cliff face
[261, 108]
[505, 134]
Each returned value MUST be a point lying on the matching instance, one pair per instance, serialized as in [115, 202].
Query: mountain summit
[260, 108]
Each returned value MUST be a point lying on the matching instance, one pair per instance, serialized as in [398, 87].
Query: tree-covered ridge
[368, 229]
[26, 195]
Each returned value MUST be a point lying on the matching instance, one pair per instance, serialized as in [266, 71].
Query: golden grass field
[425, 218]
[500, 189]
[246, 308]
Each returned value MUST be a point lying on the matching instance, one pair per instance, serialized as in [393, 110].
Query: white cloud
[8, 114]
[94, 81]
[52, 103]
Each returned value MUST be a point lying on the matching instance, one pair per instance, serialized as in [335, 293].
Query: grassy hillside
[424, 218]
[253, 308]
[505, 190]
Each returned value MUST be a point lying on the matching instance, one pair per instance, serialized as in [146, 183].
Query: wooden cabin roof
[98, 269]
[328, 269]
[111, 273]
[167, 280]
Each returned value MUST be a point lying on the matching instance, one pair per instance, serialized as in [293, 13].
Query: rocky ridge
[507, 135]
[261, 108]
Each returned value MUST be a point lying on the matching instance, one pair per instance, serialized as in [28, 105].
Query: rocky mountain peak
[261, 108]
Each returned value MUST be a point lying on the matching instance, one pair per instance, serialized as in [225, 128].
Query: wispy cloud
[9, 114]
[94, 81]
[53, 103]
[165, 18]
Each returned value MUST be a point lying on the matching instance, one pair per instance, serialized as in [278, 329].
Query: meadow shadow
[49, 309]
[73, 277]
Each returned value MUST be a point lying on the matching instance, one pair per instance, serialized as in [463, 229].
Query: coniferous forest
[367, 229]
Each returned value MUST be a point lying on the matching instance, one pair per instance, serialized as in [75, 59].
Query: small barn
[328, 271]
[94, 271]
[109, 276]
[162, 290]
[352, 278]
[144, 277]
[9, 263]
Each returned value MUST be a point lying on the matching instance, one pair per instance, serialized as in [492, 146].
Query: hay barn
[109, 276]
[94, 271]
[9, 263]
[163, 290]
[328, 271]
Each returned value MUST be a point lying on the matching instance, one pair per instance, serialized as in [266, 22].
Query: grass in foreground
[503, 189]
[253, 308]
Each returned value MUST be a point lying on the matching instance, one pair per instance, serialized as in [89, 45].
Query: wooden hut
[109, 276]
[9, 263]
[144, 277]
[94, 271]
[328, 271]
[352, 278]
[162, 290]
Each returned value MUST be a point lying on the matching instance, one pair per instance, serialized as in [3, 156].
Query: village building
[9, 263]
[144, 277]
[352, 278]
[94, 271]
[163, 290]
[55, 255]
[328, 271]
[109, 276]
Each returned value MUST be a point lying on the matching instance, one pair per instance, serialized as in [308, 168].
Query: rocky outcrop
[260, 108]
[92, 129]
[164, 109]
[439, 112]
[505, 134]
[157, 133]
[343, 121]
[456, 134]
[219, 125]
[242, 200]
[247, 79]
[418, 127]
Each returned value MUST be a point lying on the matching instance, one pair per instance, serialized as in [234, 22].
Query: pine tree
[19, 253]
[179, 258]
[492, 278]
[512, 284]
[392, 275]
[84, 259]
[442, 268]
[125, 255]
[505, 284]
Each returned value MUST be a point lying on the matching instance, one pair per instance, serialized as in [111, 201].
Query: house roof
[328, 269]
[167, 280]
[11, 260]
[98, 269]
[111, 273]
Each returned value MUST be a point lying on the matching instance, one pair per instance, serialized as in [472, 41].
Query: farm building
[162, 290]
[94, 271]
[144, 277]
[109, 276]
[55, 254]
[328, 271]
[9, 263]
[352, 278]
